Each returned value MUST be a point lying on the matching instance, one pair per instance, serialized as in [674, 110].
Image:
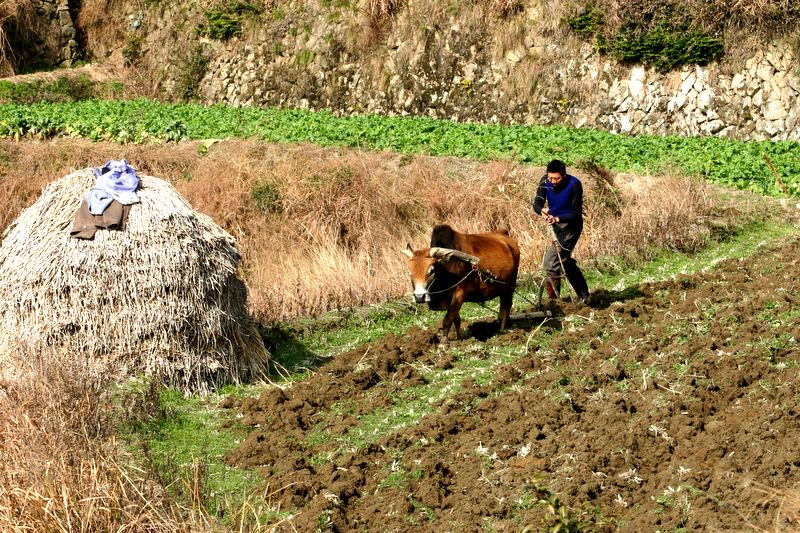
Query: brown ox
[464, 267]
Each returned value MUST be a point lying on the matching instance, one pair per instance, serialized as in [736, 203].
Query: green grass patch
[65, 88]
[224, 20]
[662, 37]
[181, 441]
[745, 243]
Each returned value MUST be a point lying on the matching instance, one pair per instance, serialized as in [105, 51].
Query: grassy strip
[65, 88]
[181, 441]
[413, 403]
[739, 164]
[744, 244]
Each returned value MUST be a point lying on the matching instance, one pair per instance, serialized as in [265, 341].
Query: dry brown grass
[15, 17]
[333, 235]
[667, 212]
[383, 8]
[765, 15]
[510, 36]
[103, 24]
[762, 17]
[60, 470]
[787, 515]
[549, 14]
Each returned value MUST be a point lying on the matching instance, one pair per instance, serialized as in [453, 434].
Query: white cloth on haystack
[116, 180]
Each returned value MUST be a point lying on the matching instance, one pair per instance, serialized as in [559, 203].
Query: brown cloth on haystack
[86, 224]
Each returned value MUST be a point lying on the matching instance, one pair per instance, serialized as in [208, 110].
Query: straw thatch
[161, 297]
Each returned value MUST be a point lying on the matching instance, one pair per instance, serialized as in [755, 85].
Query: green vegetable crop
[739, 164]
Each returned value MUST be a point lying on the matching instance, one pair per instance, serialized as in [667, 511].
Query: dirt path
[102, 73]
[670, 405]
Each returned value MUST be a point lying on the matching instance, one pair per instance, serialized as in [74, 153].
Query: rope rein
[482, 274]
[456, 284]
[489, 278]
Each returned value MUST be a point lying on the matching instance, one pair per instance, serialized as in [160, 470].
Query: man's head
[556, 171]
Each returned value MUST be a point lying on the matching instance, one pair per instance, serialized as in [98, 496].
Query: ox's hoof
[441, 343]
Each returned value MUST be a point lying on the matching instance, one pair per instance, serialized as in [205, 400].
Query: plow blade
[522, 320]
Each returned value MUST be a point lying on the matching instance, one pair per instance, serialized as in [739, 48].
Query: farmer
[563, 194]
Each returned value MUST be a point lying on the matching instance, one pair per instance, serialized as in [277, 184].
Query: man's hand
[550, 219]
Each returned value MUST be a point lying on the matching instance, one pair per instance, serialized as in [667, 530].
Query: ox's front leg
[451, 317]
[457, 324]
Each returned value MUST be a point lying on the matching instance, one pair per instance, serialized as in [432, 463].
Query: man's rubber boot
[553, 286]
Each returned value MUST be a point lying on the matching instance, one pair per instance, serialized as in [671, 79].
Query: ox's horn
[408, 251]
[448, 253]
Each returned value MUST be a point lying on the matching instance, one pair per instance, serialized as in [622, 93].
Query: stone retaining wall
[51, 38]
[760, 101]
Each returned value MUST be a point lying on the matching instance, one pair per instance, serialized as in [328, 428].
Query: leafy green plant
[586, 23]
[132, 51]
[266, 197]
[18, 92]
[225, 20]
[662, 37]
[72, 87]
[666, 48]
[41, 127]
[220, 24]
[63, 89]
[175, 131]
[560, 518]
[191, 72]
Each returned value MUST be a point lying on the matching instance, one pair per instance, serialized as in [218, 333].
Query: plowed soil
[667, 406]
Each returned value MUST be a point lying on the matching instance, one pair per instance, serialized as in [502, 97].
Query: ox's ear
[408, 252]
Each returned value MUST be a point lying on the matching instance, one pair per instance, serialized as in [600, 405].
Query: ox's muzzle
[421, 298]
[422, 293]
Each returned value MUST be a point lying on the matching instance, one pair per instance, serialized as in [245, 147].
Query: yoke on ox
[463, 267]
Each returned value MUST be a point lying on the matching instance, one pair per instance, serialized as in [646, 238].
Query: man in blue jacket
[563, 194]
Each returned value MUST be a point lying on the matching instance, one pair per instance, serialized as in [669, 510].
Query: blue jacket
[564, 201]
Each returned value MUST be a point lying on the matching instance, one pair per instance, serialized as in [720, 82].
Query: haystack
[161, 297]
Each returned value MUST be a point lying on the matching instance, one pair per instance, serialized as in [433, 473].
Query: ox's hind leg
[505, 309]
